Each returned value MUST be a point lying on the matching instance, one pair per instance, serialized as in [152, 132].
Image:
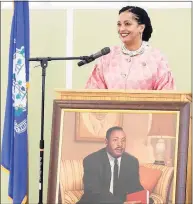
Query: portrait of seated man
[110, 173]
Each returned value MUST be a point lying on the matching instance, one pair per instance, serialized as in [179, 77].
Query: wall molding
[102, 5]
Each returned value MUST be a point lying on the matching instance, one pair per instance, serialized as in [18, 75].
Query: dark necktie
[115, 177]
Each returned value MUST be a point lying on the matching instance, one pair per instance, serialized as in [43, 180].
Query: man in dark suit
[110, 173]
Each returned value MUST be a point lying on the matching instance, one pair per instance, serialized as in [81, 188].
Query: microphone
[91, 58]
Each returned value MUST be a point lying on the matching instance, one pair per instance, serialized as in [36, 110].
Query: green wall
[93, 30]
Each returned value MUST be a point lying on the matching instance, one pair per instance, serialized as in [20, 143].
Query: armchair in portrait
[157, 182]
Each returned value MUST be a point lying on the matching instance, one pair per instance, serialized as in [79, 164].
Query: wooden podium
[125, 102]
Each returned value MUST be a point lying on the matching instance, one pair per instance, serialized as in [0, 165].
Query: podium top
[123, 95]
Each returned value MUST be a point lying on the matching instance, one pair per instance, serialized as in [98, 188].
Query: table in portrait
[156, 125]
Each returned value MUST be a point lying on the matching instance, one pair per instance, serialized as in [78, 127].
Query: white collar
[111, 159]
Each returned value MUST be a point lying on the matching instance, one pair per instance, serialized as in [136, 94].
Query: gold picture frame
[77, 102]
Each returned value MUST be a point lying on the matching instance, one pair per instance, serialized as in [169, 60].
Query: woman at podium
[135, 64]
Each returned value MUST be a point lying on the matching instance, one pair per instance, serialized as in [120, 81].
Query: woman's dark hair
[142, 18]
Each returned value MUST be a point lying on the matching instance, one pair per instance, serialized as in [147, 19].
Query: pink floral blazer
[147, 71]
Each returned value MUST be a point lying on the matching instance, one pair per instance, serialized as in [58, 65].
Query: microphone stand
[44, 63]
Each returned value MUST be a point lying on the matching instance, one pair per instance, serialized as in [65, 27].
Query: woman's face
[128, 28]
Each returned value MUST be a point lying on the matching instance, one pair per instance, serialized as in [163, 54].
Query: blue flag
[15, 132]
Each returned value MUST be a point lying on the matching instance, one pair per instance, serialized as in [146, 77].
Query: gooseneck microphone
[91, 58]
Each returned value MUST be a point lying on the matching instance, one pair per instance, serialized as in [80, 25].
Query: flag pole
[14, 155]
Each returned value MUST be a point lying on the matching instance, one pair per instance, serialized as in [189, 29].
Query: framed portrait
[156, 130]
[92, 126]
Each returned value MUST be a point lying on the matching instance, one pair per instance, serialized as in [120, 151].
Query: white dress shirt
[111, 161]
